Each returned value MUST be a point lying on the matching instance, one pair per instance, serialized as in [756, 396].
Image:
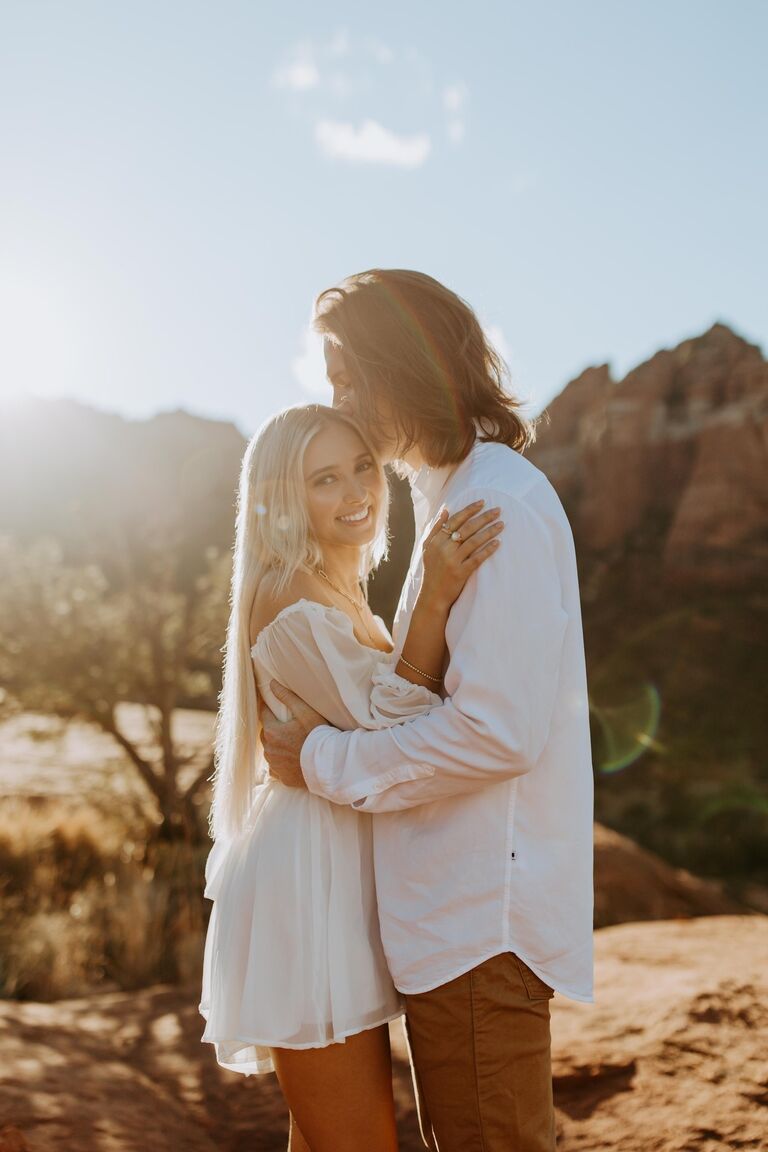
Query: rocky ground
[670, 1058]
[632, 884]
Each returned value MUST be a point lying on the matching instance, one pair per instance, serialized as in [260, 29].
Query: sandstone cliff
[673, 457]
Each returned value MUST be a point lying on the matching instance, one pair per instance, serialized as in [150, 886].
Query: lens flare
[736, 797]
[627, 728]
[410, 320]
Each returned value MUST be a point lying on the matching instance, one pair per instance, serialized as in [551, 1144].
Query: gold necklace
[352, 601]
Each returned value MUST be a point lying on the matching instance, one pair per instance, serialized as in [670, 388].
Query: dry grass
[88, 902]
[89, 899]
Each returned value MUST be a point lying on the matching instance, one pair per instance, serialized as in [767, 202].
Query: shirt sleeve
[505, 639]
[312, 650]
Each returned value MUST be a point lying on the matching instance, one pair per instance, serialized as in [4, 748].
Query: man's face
[382, 435]
[336, 371]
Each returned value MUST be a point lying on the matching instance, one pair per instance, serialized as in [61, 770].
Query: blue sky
[180, 178]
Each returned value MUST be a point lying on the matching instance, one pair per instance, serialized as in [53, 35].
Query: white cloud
[340, 43]
[340, 84]
[455, 97]
[381, 52]
[300, 73]
[308, 367]
[519, 382]
[496, 337]
[328, 72]
[371, 143]
[420, 69]
[315, 64]
[456, 130]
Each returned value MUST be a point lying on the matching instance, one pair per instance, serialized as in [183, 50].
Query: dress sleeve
[313, 650]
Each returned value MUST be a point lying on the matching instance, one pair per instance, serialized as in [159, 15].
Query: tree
[145, 626]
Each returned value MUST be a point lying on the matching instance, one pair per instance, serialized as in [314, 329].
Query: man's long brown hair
[408, 339]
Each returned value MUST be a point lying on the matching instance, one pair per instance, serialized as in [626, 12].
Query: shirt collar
[429, 482]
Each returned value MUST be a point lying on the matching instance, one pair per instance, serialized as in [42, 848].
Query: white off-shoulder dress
[293, 955]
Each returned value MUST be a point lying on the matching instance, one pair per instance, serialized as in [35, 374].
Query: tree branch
[202, 778]
[145, 769]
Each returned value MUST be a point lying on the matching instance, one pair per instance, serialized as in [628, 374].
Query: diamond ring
[456, 535]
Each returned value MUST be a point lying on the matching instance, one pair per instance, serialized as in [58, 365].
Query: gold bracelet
[426, 675]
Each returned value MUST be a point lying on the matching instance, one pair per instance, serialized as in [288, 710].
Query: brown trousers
[480, 1052]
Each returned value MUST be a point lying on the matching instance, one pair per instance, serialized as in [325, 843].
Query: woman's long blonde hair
[273, 537]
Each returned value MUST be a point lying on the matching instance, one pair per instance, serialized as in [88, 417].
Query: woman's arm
[448, 564]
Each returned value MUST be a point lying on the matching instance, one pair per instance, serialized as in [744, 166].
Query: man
[483, 830]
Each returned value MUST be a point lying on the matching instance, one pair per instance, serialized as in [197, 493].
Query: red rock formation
[633, 884]
[672, 458]
[12, 1140]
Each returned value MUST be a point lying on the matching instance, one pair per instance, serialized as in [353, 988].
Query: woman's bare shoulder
[270, 601]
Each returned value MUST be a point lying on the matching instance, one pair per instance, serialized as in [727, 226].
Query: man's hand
[283, 741]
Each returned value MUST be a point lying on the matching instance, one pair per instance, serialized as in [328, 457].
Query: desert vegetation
[145, 629]
[92, 897]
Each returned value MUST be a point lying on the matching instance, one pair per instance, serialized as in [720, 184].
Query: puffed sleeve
[312, 649]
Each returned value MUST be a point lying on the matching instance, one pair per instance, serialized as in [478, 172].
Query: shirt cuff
[379, 784]
[322, 747]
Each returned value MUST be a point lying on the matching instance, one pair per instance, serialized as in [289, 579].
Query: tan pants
[480, 1051]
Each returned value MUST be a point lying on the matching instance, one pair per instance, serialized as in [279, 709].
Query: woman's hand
[456, 546]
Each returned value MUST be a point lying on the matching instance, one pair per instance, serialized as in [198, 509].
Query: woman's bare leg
[341, 1096]
[296, 1142]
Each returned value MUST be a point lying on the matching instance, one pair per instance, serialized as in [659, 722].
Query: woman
[294, 963]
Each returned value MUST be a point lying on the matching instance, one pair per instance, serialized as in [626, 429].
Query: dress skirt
[293, 955]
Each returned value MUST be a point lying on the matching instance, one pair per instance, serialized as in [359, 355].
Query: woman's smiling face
[345, 488]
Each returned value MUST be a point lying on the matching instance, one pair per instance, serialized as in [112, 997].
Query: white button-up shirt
[484, 806]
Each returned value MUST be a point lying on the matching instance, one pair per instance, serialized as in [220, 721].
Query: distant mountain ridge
[86, 476]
